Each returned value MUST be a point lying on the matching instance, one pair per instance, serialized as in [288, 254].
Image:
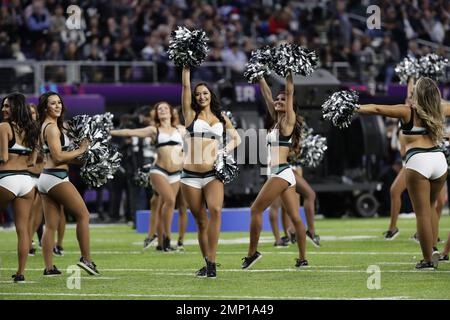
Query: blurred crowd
[129, 30]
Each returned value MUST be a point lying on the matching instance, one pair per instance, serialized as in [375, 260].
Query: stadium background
[116, 61]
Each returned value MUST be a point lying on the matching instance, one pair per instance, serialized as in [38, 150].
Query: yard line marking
[303, 269]
[233, 253]
[217, 297]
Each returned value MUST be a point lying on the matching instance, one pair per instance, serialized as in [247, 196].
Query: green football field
[354, 262]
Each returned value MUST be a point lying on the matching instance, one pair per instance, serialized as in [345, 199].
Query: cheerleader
[54, 186]
[206, 126]
[18, 137]
[166, 172]
[425, 163]
[36, 214]
[399, 184]
[283, 136]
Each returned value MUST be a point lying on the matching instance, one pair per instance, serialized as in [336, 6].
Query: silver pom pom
[101, 160]
[258, 65]
[312, 150]
[141, 178]
[433, 66]
[292, 57]
[409, 67]
[226, 167]
[188, 48]
[340, 107]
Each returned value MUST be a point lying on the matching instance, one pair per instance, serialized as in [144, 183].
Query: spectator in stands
[236, 58]
[38, 19]
[57, 23]
[391, 54]
[55, 52]
[433, 27]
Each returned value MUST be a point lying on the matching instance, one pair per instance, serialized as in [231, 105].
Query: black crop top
[16, 148]
[409, 129]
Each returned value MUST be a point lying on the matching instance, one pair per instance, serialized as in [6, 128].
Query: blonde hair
[427, 103]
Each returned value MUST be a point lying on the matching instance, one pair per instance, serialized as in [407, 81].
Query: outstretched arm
[141, 132]
[267, 96]
[399, 111]
[186, 97]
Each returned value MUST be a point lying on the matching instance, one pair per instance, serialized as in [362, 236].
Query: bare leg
[52, 215]
[309, 204]
[396, 190]
[269, 192]
[155, 208]
[286, 222]
[167, 193]
[33, 217]
[423, 193]
[273, 218]
[440, 202]
[182, 216]
[22, 208]
[67, 195]
[195, 201]
[61, 229]
[213, 193]
[290, 201]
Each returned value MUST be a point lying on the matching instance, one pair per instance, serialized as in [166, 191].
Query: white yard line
[179, 296]
[320, 269]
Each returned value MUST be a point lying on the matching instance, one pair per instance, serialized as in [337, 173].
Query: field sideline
[338, 270]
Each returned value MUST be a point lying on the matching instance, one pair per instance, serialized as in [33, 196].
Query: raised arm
[399, 111]
[267, 96]
[149, 131]
[186, 97]
[289, 119]
[409, 91]
[54, 144]
[235, 138]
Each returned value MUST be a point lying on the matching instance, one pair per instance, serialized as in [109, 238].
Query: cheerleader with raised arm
[54, 186]
[282, 137]
[18, 138]
[166, 172]
[206, 127]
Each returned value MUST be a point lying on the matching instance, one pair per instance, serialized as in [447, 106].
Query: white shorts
[171, 177]
[50, 178]
[283, 171]
[197, 180]
[18, 182]
[429, 162]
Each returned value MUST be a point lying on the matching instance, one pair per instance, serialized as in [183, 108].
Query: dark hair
[42, 109]
[216, 107]
[298, 128]
[33, 106]
[21, 119]
[154, 114]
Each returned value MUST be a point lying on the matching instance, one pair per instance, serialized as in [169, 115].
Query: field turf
[339, 269]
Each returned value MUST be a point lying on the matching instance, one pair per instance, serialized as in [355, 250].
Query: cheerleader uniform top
[165, 139]
[65, 142]
[14, 147]
[410, 129]
[201, 128]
